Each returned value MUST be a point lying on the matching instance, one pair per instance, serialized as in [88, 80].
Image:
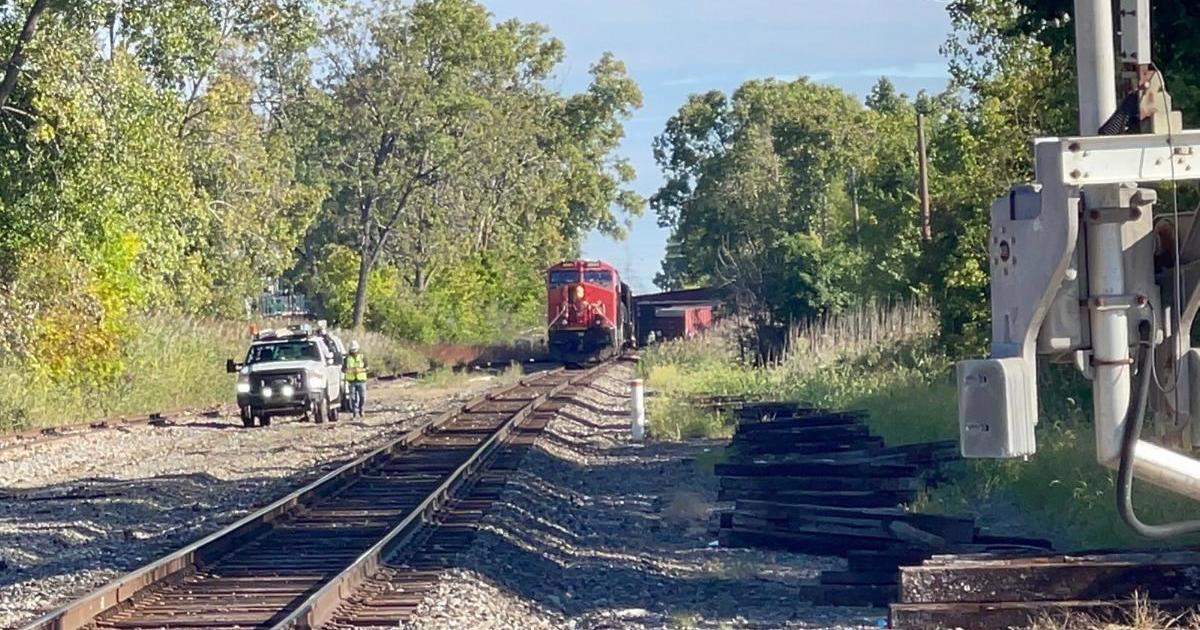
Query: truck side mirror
[231, 366]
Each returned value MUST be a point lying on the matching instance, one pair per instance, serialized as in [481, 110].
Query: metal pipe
[1095, 59]
[1167, 469]
[1096, 64]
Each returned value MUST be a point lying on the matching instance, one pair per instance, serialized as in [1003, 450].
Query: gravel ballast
[595, 532]
[79, 511]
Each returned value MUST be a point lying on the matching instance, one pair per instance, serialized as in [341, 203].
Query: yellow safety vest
[356, 368]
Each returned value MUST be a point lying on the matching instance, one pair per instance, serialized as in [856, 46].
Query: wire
[1177, 310]
[1136, 415]
[1134, 419]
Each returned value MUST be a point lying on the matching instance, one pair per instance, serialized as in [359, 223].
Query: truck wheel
[333, 411]
[320, 411]
[247, 417]
[264, 420]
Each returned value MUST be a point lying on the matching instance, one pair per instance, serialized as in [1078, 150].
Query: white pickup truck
[288, 372]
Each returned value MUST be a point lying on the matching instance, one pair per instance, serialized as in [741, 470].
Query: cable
[1177, 311]
[1134, 419]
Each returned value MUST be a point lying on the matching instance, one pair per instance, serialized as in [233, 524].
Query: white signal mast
[1083, 272]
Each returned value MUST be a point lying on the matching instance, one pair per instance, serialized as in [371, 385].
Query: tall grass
[169, 363]
[820, 365]
[864, 329]
[889, 364]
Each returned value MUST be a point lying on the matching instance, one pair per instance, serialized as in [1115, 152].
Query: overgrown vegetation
[170, 363]
[409, 165]
[803, 200]
[1142, 615]
[901, 376]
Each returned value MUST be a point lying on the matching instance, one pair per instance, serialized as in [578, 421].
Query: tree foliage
[763, 186]
[407, 162]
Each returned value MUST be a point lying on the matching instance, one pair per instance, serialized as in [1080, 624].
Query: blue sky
[674, 48]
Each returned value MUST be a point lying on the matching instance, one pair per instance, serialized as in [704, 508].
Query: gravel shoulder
[598, 532]
[79, 511]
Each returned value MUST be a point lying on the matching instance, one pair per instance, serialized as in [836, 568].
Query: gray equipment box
[997, 411]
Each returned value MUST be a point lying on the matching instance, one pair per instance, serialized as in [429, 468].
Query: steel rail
[83, 611]
[321, 606]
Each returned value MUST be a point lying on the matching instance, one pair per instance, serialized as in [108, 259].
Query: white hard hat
[322, 324]
[354, 346]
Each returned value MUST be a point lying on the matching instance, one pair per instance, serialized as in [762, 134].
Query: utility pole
[923, 186]
[854, 196]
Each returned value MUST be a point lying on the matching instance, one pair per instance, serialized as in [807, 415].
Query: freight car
[588, 310]
[679, 322]
[675, 314]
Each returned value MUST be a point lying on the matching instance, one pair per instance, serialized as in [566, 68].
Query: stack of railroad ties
[816, 481]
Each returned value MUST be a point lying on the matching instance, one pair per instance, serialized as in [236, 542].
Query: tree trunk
[420, 278]
[360, 291]
[17, 58]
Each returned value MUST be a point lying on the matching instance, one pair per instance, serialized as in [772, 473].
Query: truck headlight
[243, 387]
[286, 391]
[316, 383]
[267, 393]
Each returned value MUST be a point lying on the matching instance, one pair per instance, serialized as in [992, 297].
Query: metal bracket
[1115, 302]
[1112, 215]
[1126, 158]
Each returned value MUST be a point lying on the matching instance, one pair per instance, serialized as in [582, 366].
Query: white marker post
[637, 410]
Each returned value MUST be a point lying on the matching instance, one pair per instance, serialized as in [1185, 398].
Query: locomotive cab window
[598, 278]
[561, 278]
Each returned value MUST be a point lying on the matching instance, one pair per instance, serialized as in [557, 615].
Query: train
[589, 312]
[592, 315]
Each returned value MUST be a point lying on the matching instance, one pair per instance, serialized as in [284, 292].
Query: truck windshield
[564, 277]
[284, 351]
[598, 278]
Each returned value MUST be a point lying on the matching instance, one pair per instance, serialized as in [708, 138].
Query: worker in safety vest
[355, 368]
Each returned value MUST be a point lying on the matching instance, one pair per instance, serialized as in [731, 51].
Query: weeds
[907, 385]
[1142, 615]
[169, 363]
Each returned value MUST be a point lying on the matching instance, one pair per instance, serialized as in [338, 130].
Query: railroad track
[393, 593]
[296, 562]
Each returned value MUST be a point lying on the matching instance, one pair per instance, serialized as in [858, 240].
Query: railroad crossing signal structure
[1083, 272]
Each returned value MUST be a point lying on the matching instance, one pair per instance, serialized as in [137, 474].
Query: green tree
[756, 185]
[443, 147]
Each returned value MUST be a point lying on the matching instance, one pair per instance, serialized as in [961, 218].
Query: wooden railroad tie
[816, 481]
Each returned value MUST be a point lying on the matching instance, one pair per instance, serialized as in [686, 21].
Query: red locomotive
[589, 310]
